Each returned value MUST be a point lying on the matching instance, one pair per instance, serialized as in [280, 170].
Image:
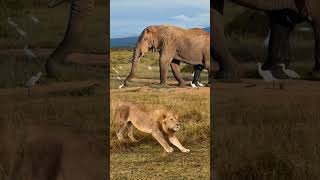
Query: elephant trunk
[80, 9]
[135, 60]
[137, 54]
[229, 69]
[132, 72]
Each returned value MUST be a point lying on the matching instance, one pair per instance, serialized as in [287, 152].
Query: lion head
[169, 122]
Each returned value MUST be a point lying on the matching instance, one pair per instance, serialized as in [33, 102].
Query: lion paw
[169, 150]
[134, 140]
[185, 150]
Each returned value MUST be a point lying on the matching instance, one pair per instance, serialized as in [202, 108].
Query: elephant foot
[126, 83]
[228, 76]
[270, 64]
[182, 84]
[55, 78]
[163, 85]
[198, 84]
[314, 75]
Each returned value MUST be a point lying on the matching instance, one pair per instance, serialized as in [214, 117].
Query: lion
[160, 123]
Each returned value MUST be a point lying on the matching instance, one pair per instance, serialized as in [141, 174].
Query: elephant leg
[229, 69]
[278, 49]
[132, 72]
[218, 5]
[197, 72]
[175, 66]
[165, 60]
[163, 72]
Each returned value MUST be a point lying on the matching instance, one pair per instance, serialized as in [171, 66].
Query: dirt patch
[172, 87]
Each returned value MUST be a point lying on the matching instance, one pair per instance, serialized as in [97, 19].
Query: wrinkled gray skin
[280, 33]
[79, 10]
[174, 45]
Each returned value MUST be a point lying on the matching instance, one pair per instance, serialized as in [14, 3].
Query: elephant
[79, 10]
[283, 16]
[174, 45]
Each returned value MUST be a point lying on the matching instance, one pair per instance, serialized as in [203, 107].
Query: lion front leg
[159, 137]
[175, 141]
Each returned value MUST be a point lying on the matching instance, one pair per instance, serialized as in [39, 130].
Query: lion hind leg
[123, 127]
[175, 141]
[159, 137]
[130, 133]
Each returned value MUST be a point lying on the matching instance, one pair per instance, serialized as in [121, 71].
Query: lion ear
[157, 112]
[164, 114]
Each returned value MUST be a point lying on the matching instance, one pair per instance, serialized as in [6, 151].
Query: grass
[146, 159]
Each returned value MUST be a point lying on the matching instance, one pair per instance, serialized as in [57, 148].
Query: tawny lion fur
[160, 123]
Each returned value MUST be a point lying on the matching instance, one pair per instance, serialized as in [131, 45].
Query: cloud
[200, 19]
[182, 17]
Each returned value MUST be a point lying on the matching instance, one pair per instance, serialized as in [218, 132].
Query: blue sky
[130, 17]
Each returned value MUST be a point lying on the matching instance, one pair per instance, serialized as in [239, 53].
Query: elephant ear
[151, 29]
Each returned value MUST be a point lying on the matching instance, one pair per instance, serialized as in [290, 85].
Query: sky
[130, 17]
